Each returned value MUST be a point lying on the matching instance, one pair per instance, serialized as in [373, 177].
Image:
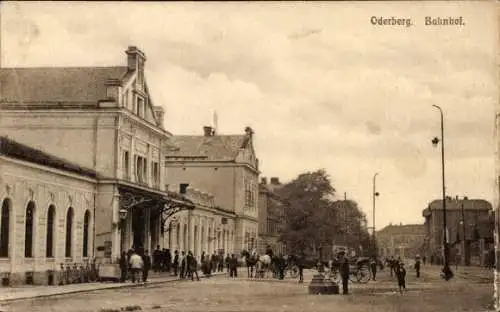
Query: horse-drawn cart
[359, 270]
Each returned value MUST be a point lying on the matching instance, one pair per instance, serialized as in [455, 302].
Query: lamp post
[122, 213]
[447, 273]
[375, 194]
[464, 240]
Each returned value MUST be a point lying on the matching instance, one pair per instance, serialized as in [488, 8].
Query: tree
[310, 214]
[313, 220]
[352, 222]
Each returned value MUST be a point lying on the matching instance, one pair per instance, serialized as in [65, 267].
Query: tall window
[155, 174]
[126, 163]
[138, 168]
[29, 230]
[49, 242]
[69, 232]
[144, 170]
[5, 228]
[140, 107]
[86, 223]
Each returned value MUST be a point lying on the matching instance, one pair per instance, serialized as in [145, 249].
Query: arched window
[69, 232]
[5, 228]
[49, 242]
[86, 223]
[29, 230]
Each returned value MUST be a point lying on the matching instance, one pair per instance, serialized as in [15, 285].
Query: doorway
[138, 228]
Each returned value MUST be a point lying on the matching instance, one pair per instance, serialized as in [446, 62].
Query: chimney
[183, 188]
[134, 55]
[208, 131]
[159, 114]
[263, 180]
[275, 181]
[249, 131]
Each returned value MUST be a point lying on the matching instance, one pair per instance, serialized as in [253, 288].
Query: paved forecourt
[222, 293]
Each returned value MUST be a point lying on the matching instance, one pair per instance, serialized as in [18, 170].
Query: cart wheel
[294, 271]
[363, 275]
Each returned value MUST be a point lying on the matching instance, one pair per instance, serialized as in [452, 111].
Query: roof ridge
[62, 67]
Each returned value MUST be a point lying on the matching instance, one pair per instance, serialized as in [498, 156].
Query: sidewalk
[9, 294]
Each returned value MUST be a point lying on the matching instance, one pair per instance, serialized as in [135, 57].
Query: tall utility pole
[374, 195]
[345, 218]
[448, 274]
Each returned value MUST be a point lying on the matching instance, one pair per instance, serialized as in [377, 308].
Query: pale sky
[319, 84]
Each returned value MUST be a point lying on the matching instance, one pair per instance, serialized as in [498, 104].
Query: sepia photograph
[249, 156]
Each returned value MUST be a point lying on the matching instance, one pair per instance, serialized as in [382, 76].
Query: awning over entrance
[161, 204]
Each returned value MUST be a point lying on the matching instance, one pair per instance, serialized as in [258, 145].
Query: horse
[250, 261]
[264, 266]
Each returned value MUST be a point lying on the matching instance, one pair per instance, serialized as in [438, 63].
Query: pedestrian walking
[192, 266]
[423, 260]
[146, 259]
[157, 259]
[233, 269]
[227, 262]
[417, 266]
[373, 267]
[136, 265]
[344, 271]
[300, 264]
[401, 275]
[176, 262]
[123, 267]
[183, 265]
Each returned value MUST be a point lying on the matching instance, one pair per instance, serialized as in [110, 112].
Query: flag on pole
[215, 120]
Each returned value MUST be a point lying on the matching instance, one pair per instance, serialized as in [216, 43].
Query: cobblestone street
[224, 294]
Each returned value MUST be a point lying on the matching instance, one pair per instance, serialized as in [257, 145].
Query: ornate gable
[135, 93]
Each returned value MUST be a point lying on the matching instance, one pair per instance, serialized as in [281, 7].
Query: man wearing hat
[344, 272]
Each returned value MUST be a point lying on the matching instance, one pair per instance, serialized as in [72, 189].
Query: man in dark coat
[300, 262]
[123, 267]
[228, 264]
[417, 266]
[233, 266]
[373, 267]
[147, 266]
[192, 266]
[157, 259]
[176, 262]
[344, 272]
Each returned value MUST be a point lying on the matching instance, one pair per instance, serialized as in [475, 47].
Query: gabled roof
[57, 84]
[405, 229]
[453, 204]
[211, 148]
[23, 152]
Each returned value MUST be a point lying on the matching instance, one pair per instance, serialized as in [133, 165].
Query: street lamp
[464, 240]
[447, 273]
[375, 194]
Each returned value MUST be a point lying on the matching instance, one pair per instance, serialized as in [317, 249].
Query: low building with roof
[207, 228]
[403, 240]
[225, 166]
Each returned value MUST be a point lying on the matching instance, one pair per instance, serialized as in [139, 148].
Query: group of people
[136, 264]
[133, 263]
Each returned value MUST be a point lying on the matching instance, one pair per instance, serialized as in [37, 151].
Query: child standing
[401, 276]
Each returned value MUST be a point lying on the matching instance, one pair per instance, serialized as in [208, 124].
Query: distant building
[225, 166]
[271, 215]
[478, 226]
[403, 240]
